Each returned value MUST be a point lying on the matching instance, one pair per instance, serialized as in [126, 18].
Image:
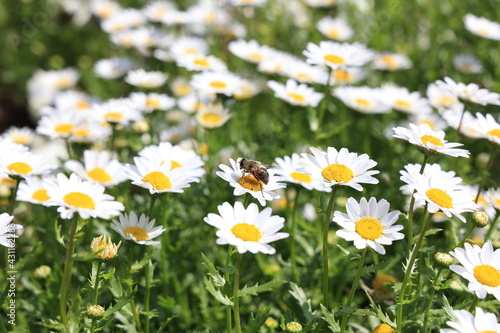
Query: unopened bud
[95, 311]
[443, 259]
[480, 219]
[293, 327]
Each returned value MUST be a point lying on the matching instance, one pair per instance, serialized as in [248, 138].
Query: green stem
[412, 204]
[407, 277]
[466, 235]
[353, 289]
[236, 298]
[431, 297]
[322, 111]
[152, 202]
[95, 293]
[293, 243]
[472, 307]
[13, 197]
[485, 174]
[147, 293]
[227, 275]
[68, 268]
[493, 226]
[326, 225]
[135, 314]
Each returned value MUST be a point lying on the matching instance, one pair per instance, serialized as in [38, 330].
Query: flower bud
[480, 219]
[42, 272]
[293, 326]
[95, 311]
[443, 259]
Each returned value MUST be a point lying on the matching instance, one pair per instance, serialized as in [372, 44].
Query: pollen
[495, 132]
[211, 119]
[432, 140]
[487, 275]
[301, 177]
[439, 197]
[333, 33]
[334, 59]
[40, 195]
[298, 98]
[113, 117]
[363, 102]
[64, 129]
[138, 233]
[250, 183]
[153, 103]
[20, 168]
[202, 62]
[337, 173]
[218, 85]
[369, 228]
[79, 200]
[158, 180]
[403, 104]
[100, 175]
[246, 232]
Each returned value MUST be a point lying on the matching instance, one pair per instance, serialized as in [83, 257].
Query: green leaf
[304, 303]
[329, 317]
[379, 313]
[254, 324]
[218, 280]
[269, 286]
[216, 293]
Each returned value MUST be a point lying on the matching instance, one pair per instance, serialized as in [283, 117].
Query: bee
[256, 169]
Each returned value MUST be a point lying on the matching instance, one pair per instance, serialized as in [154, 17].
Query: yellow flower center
[63, 82]
[338, 173]
[79, 200]
[202, 62]
[257, 57]
[495, 132]
[383, 328]
[64, 129]
[483, 32]
[182, 90]
[363, 102]
[488, 332]
[298, 98]
[246, 232]
[100, 175]
[369, 228]
[21, 139]
[403, 104]
[211, 119]
[301, 177]
[20, 167]
[487, 275]
[82, 106]
[175, 165]
[428, 122]
[153, 103]
[191, 50]
[390, 61]
[304, 77]
[446, 101]
[250, 183]
[40, 195]
[343, 76]
[158, 180]
[138, 233]
[333, 33]
[439, 197]
[432, 140]
[380, 283]
[113, 117]
[218, 84]
[81, 133]
[334, 59]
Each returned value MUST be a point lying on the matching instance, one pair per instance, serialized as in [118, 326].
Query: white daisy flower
[18, 162]
[177, 156]
[73, 195]
[435, 122]
[466, 322]
[250, 50]
[35, 190]
[467, 64]
[180, 86]
[493, 197]
[442, 194]
[63, 78]
[482, 26]
[335, 28]
[247, 90]
[104, 8]
[487, 127]
[336, 55]
[59, 123]
[277, 62]
[430, 141]
[150, 173]
[98, 167]
[74, 100]
[412, 171]
[141, 229]
[441, 97]
[143, 79]
[112, 68]
[8, 230]
[295, 93]
[347, 75]
[468, 124]
[405, 101]
[363, 99]
[287, 168]
[212, 115]
[90, 132]
[391, 62]
[244, 182]
[368, 223]
[216, 83]
[340, 167]
[201, 63]
[124, 19]
[21, 135]
[117, 111]
[247, 228]
[470, 92]
[152, 101]
[253, 3]
[188, 45]
[156, 10]
[305, 73]
[481, 266]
